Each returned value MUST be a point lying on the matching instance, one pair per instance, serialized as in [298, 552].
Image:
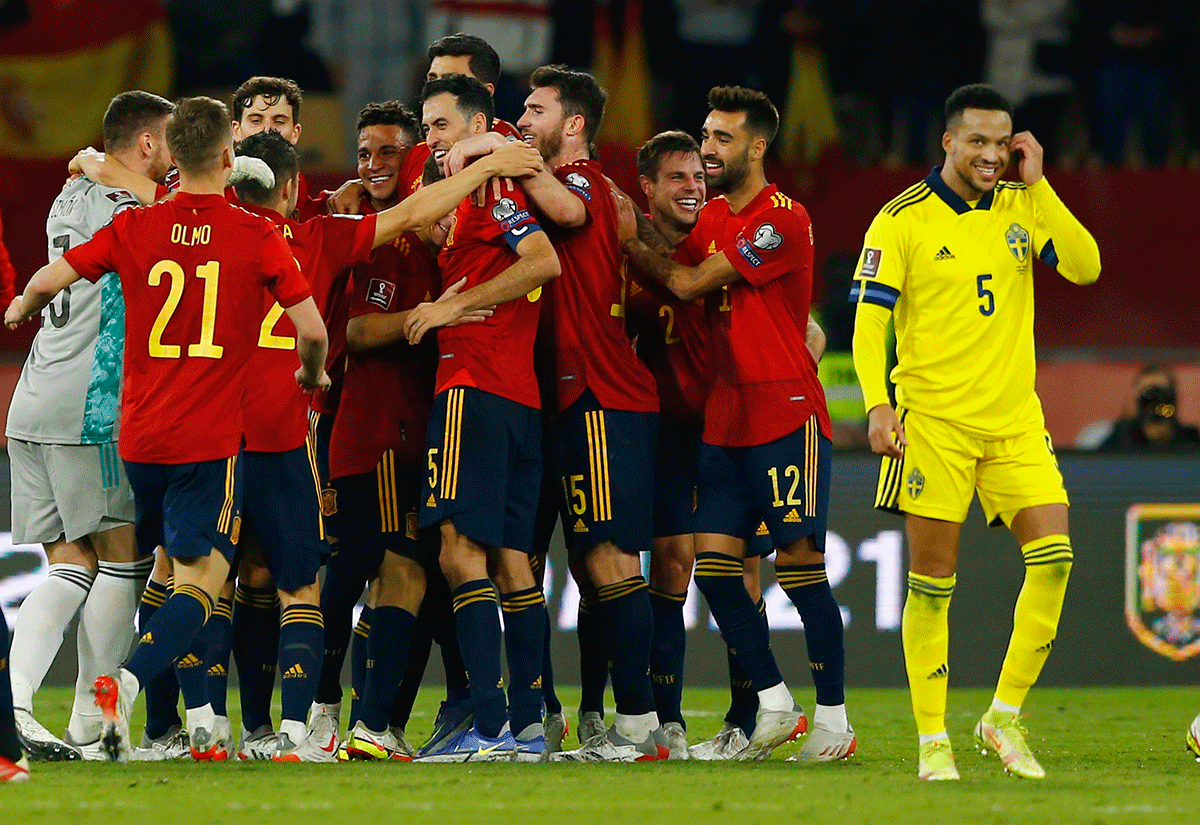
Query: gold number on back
[268, 339]
[157, 348]
[205, 348]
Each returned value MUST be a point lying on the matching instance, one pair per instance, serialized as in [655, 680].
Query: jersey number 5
[204, 348]
[989, 300]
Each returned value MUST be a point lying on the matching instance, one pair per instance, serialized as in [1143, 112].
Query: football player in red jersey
[765, 449]
[607, 404]
[281, 512]
[193, 270]
[484, 438]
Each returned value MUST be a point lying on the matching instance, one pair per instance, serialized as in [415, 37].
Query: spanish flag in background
[62, 61]
[808, 129]
[621, 68]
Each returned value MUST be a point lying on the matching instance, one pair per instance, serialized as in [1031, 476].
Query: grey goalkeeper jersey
[70, 387]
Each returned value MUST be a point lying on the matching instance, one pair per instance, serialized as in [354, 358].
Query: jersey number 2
[210, 273]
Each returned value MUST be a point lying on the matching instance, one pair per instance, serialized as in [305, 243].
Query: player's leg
[455, 713]
[593, 653]
[48, 610]
[164, 736]
[1019, 481]
[549, 508]
[726, 512]
[13, 765]
[199, 506]
[255, 640]
[106, 630]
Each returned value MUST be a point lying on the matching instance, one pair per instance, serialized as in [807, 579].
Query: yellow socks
[926, 633]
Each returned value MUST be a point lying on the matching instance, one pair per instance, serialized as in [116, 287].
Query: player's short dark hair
[578, 92]
[273, 149]
[484, 62]
[431, 172]
[197, 131]
[131, 114]
[975, 96]
[650, 156]
[272, 90]
[390, 113]
[471, 95]
[762, 118]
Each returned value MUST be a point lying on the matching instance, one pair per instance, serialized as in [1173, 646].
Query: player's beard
[550, 144]
[733, 173]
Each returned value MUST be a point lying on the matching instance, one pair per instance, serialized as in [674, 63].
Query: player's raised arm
[430, 203]
[1064, 243]
[106, 170]
[538, 264]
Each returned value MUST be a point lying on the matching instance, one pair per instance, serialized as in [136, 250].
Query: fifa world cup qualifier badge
[1162, 577]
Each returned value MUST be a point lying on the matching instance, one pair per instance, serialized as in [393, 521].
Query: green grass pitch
[1112, 756]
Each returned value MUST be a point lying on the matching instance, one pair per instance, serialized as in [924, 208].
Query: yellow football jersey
[959, 278]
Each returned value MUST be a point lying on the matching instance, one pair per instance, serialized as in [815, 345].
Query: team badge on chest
[1018, 242]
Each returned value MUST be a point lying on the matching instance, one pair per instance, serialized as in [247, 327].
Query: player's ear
[227, 157]
[146, 144]
[491, 87]
[237, 130]
[646, 184]
[947, 141]
[576, 125]
[296, 134]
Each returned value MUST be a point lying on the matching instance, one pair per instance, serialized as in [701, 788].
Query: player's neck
[957, 185]
[739, 198]
[568, 155]
[380, 205]
[133, 160]
[671, 231]
[211, 183]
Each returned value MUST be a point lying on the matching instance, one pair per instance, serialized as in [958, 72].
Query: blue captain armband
[1049, 256]
[874, 293]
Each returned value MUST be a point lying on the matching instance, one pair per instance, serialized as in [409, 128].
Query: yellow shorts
[943, 467]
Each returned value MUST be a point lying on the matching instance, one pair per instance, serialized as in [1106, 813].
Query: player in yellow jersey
[951, 258]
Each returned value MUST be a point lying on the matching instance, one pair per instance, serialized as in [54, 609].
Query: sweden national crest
[1018, 242]
[1162, 577]
[915, 483]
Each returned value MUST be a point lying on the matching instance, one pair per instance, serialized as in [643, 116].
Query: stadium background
[860, 92]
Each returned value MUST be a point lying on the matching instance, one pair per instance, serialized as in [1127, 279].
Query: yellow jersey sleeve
[1062, 241]
[881, 271]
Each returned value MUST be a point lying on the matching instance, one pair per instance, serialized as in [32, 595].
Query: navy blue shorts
[783, 482]
[484, 467]
[189, 509]
[282, 510]
[759, 544]
[605, 460]
[320, 426]
[379, 512]
[675, 462]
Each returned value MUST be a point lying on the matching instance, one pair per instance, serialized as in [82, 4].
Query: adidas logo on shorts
[580, 527]
[792, 517]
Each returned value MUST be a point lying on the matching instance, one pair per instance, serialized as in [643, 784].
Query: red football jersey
[764, 378]
[412, 168]
[387, 392]
[591, 346]
[335, 314]
[495, 355]
[192, 273]
[672, 341]
[276, 410]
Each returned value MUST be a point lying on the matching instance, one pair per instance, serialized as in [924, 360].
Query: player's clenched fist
[310, 383]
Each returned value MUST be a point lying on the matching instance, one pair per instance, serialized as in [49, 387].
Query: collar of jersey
[935, 182]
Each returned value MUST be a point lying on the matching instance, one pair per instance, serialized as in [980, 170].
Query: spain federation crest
[1162, 577]
[1018, 242]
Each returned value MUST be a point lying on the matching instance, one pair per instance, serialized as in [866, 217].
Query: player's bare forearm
[554, 200]
[374, 330]
[106, 170]
[40, 291]
[685, 282]
[312, 342]
[651, 237]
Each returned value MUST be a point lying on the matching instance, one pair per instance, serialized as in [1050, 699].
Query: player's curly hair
[197, 132]
[578, 92]
[484, 63]
[975, 96]
[471, 95]
[272, 90]
[649, 157]
[762, 118]
[390, 113]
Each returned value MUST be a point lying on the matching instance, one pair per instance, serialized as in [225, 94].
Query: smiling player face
[381, 147]
[725, 149]
[445, 125]
[977, 151]
[677, 193]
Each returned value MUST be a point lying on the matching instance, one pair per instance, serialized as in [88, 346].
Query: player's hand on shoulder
[1031, 155]
[309, 382]
[885, 432]
[513, 159]
[464, 151]
[345, 201]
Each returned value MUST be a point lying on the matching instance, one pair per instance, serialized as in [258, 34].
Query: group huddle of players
[493, 340]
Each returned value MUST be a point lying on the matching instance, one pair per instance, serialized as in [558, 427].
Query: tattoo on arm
[651, 237]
